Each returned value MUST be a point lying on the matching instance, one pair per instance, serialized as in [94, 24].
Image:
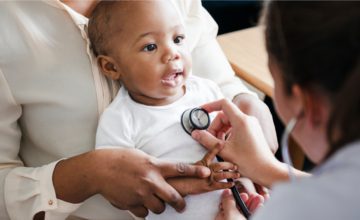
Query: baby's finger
[231, 111]
[225, 175]
[221, 185]
[209, 157]
[216, 167]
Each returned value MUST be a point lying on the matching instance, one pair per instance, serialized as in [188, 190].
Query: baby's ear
[108, 67]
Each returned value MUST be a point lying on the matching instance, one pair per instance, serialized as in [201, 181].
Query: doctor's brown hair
[316, 45]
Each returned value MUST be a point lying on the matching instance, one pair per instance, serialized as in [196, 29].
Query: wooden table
[245, 50]
[246, 53]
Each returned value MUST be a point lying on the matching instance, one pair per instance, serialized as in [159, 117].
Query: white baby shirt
[157, 131]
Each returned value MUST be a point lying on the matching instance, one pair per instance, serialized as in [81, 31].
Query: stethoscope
[199, 119]
[195, 119]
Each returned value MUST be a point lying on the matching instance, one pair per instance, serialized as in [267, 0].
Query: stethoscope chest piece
[199, 119]
[195, 119]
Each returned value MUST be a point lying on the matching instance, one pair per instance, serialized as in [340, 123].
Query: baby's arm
[219, 172]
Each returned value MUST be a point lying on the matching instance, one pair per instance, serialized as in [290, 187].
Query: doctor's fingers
[263, 191]
[228, 209]
[207, 140]
[220, 126]
[231, 111]
[245, 185]
[254, 202]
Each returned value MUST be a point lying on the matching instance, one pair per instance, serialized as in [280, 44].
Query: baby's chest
[174, 144]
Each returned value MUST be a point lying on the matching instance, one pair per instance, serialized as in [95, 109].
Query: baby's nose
[171, 54]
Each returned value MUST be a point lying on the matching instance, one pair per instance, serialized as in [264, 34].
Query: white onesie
[157, 131]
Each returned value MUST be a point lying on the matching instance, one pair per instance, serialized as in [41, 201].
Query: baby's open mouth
[172, 79]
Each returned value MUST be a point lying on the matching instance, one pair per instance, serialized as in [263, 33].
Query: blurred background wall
[233, 15]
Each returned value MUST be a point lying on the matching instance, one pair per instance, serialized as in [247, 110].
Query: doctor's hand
[253, 106]
[228, 209]
[245, 185]
[246, 145]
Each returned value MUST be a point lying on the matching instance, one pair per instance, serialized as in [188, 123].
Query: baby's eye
[150, 47]
[179, 39]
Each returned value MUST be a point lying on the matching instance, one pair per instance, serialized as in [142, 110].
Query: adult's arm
[246, 146]
[55, 187]
[128, 178]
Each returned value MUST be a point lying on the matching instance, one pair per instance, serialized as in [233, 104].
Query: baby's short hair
[99, 26]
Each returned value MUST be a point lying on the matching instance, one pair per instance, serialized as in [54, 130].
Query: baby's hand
[219, 172]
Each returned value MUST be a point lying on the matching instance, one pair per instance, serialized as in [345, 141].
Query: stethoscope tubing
[239, 202]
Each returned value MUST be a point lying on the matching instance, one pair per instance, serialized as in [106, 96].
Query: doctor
[314, 59]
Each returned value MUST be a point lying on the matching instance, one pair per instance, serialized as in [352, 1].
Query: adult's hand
[246, 146]
[245, 185]
[253, 106]
[128, 178]
[228, 209]
[220, 171]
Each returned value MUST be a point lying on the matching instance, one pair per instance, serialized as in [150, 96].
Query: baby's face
[149, 50]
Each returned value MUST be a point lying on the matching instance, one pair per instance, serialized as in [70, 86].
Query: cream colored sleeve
[209, 60]
[24, 191]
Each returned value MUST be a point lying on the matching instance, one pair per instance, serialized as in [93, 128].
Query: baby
[142, 44]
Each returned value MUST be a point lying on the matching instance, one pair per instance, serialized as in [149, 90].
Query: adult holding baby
[50, 105]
